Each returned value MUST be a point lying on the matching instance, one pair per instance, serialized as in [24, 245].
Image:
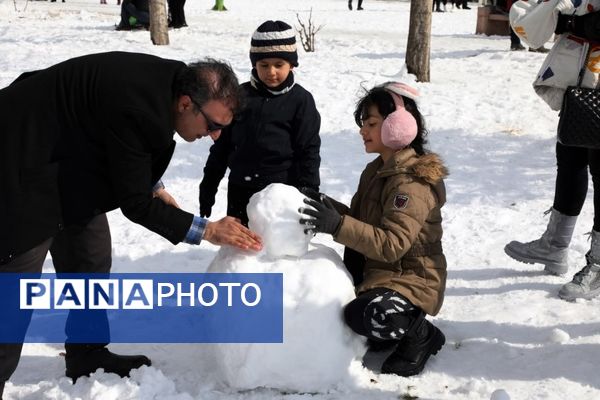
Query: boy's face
[273, 71]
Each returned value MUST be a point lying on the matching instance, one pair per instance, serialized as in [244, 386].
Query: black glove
[584, 26]
[206, 198]
[325, 219]
[310, 192]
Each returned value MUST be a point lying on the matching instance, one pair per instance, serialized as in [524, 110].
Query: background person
[177, 14]
[135, 14]
[359, 7]
[535, 23]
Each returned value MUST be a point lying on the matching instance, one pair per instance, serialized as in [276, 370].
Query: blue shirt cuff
[196, 232]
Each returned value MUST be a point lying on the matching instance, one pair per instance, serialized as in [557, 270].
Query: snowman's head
[273, 214]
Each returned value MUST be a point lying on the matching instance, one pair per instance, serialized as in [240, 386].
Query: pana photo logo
[142, 308]
[133, 294]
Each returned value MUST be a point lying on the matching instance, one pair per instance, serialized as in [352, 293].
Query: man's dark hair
[208, 80]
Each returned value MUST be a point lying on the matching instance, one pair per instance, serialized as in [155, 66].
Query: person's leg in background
[177, 13]
[515, 41]
[586, 282]
[551, 249]
[86, 248]
[571, 179]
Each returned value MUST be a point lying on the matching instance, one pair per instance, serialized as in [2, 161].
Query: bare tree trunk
[418, 46]
[159, 33]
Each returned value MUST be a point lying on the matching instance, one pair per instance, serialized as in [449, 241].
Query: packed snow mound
[273, 214]
[318, 348]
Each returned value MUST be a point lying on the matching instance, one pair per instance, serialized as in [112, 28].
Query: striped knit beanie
[274, 39]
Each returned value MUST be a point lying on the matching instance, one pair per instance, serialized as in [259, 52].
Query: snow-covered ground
[505, 327]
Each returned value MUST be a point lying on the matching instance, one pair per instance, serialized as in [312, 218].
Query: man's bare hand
[229, 231]
[165, 197]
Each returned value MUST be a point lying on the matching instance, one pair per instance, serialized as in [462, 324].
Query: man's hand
[229, 231]
[325, 219]
[165, 197]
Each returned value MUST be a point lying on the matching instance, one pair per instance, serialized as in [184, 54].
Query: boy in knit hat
[275, 139]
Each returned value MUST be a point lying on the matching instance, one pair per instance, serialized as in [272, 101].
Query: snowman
[318, 351]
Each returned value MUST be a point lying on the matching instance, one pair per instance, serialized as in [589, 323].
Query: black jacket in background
[274, 140]
[84, 137]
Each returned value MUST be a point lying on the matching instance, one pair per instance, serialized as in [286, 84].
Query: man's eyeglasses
[211, 125]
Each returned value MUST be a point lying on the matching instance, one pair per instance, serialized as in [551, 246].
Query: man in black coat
[90, 135]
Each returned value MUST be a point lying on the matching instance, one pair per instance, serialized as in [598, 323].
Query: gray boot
[585, 283]
[551, 249]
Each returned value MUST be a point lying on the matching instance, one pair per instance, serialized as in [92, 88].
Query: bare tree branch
[307, 34]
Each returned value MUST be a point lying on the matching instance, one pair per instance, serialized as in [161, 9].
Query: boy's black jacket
[275, 139]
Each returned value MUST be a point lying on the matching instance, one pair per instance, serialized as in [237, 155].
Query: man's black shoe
[413, 351]
[84, 363]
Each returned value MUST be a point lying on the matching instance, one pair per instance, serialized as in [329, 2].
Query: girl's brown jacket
[395, 222]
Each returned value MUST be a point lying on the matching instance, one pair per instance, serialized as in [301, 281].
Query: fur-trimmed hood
[428, 167]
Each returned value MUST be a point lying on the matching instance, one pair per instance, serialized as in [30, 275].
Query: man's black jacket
[84, 137]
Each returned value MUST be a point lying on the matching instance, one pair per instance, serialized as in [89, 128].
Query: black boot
[380, 346]
[414, 349]
[350, 5]
[83, 363]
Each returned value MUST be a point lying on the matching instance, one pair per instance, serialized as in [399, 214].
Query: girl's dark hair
[382, 99]
[208, 80]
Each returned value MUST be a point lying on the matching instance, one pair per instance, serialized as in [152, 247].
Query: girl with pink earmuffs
[392, 231]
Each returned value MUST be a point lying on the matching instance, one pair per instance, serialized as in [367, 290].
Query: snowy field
[506, 329]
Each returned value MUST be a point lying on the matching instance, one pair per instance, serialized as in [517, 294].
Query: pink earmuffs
[399, 128]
